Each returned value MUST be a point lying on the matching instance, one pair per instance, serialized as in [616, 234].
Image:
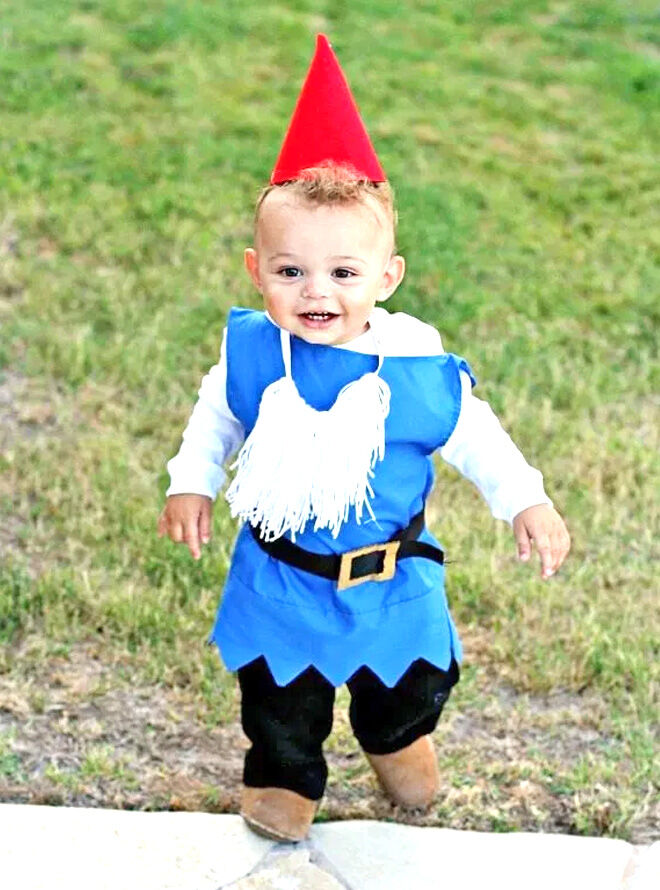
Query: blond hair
[330, 184]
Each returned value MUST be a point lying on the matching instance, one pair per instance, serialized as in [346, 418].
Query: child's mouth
[317, 319]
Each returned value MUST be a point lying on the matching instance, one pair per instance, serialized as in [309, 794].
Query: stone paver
[290, 871]
[643, 871]
[382, 856]
[60, 848]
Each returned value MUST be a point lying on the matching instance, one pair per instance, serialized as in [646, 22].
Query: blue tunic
[294, 618]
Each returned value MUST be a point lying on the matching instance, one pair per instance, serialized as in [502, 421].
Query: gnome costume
[295, 618]
[334, 577]
[336, 461]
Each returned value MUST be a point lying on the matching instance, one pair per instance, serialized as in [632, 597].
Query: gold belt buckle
[390, 548]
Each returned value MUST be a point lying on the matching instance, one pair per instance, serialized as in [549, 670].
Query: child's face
[322, 269]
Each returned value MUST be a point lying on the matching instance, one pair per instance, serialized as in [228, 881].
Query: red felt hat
[326, 126]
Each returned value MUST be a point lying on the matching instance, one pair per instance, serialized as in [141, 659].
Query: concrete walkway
[58, 848]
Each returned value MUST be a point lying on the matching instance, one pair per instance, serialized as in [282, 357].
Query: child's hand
[543, 525]
[187, 518]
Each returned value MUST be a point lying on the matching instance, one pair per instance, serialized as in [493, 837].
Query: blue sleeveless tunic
[294, 618]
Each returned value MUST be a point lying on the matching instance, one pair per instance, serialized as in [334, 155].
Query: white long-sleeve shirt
[479, 448]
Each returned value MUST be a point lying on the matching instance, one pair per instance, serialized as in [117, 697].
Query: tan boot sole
[409, 777]
[277, 813]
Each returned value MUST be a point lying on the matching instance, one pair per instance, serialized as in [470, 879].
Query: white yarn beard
[299, 463]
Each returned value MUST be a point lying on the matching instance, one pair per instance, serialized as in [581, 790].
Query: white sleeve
[212, 435]
[484, 453]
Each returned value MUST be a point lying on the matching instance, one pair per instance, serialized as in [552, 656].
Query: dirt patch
[11, 529]
[80, 735]
[31, 411]
[10, 285]
[26, 410]
[12, 386]
[560, 726]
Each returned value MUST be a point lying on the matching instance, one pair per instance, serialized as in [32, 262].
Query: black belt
[374, 563]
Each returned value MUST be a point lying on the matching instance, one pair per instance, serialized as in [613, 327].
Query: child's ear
[252, 265]
[392, 277]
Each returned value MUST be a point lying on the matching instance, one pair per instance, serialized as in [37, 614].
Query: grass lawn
[522, 139]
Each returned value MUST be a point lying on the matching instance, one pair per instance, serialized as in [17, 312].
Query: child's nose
[315, 287]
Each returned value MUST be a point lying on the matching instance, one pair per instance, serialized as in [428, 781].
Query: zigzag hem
[389, 671]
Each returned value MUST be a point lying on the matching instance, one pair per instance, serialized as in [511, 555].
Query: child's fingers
[523, 543]
[561, 546]
[205, 524]
[546, 554]
[545, 527]
[191, 537]
[175, 532]
[191, 528]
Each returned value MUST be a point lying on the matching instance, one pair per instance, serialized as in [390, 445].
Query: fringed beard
[300, 464]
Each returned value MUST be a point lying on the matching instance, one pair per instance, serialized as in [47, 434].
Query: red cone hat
[326, 126]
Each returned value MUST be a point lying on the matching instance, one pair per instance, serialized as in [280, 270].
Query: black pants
[287, 725]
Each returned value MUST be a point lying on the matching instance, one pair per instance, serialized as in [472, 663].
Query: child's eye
[289, 271]
[343, 273]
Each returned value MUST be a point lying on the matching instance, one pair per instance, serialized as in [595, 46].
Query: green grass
[521, 138]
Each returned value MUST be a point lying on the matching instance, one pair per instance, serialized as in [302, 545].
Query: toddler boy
[338, 406]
